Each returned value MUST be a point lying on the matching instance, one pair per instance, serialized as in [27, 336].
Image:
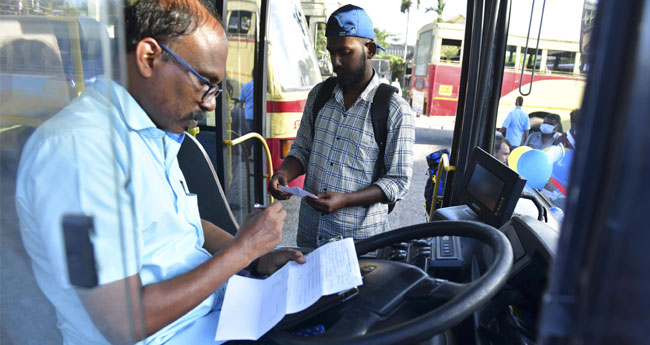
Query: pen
[184, 188]
[259, 206]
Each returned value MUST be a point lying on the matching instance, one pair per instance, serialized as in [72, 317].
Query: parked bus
[558, 81]
[291, 64]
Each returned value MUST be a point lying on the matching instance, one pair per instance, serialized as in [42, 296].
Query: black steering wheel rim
[477, 294]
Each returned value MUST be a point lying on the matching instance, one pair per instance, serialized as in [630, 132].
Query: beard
[350, 77]
[196, 115]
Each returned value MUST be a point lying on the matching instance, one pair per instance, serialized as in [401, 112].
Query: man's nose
[210, 104]
[336, 61]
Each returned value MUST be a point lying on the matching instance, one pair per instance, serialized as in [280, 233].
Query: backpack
[433, 159]
[378, 113]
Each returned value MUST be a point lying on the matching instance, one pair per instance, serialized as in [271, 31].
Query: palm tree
[439, 10]
[406, 8]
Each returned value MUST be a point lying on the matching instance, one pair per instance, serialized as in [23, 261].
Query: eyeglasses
[213, 89]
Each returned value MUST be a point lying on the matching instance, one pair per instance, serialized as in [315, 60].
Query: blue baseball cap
[351, 20]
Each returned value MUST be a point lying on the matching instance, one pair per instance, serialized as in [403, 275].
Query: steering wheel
[383, 312]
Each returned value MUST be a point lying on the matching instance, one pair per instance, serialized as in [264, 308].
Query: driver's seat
[203, 181]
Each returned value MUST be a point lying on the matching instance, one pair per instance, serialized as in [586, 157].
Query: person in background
[516, 126]
[246, 96]
[568, 139]
[397, 85]
[502, 149]
[339, 160]
[548, 133]
[384, 80]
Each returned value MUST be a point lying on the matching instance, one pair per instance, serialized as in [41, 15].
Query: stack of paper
[252, 306]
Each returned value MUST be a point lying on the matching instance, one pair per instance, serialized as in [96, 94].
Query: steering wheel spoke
[434, 290]
[355, 322]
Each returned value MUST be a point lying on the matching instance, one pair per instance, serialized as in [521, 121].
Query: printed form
[252, 307]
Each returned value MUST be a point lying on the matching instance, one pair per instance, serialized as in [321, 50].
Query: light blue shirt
[515, 124]
[247, 96]
[103, 156]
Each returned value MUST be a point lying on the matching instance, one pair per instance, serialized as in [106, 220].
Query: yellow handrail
[266, 148]
[442, 165]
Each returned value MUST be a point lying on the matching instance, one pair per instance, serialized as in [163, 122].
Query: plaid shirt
[341, 158]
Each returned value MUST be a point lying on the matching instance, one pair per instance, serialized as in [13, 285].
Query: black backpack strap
[324, 94]
[379, 115]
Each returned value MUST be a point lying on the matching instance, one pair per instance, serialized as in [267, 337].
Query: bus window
[423, 53]
[511, 56]
[240, 22]
[296, 67]
[450, 50]
[51, 52]
[557, 86]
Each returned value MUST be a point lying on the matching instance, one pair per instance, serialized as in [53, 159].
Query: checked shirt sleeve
[398, 157]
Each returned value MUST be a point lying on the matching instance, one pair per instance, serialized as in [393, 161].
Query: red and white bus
[557, 87]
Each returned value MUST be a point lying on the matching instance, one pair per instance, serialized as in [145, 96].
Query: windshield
[289, 45]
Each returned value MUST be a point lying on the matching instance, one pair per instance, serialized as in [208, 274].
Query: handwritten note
[252, 307]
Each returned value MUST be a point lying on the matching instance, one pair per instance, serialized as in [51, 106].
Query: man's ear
[371, 49]
[147, 51]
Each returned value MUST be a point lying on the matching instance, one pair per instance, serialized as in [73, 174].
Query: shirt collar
[134, 116]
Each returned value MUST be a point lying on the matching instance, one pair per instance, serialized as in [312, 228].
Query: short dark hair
[519, 101]
[498, 142]
[165, 20]
[574, 115]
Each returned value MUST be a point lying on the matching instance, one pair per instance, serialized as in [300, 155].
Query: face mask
[547, 128]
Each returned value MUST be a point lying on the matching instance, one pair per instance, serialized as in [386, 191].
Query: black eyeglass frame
[213, 89]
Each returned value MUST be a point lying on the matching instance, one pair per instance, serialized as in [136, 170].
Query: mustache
[196, 115]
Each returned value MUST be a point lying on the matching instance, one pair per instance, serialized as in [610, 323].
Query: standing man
[339, 160]
[517, 125]
[161, 269]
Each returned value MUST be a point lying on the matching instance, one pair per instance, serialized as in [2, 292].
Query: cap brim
[380, 47]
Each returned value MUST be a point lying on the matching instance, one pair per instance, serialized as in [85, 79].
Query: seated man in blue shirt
[112, 154]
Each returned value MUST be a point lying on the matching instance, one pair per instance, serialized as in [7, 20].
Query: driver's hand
[273, 261]
[276, 180]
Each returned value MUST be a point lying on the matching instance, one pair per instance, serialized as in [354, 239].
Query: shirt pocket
[192, 208]
[361, 157]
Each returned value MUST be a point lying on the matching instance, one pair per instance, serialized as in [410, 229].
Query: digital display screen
[485, 187]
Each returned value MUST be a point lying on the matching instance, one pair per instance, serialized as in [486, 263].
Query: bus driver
[161, 268]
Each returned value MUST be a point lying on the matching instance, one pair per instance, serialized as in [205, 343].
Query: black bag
[378, 113]
[433, 159]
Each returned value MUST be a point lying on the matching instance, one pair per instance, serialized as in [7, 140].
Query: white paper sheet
[252, 307]
[297, 191]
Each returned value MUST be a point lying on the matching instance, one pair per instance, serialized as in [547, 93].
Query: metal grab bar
[442, 165]
[523, 64]
[252, 135]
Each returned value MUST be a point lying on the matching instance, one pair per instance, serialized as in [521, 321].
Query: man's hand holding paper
[252, 306]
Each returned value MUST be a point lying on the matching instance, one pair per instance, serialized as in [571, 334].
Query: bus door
[48, 56]
[267, 41]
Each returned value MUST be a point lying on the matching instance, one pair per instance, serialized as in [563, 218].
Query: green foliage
[406, 5]
[381, 37]
[396, 65]
[439, 10]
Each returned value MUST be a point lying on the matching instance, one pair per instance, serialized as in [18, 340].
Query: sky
[561, 17]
